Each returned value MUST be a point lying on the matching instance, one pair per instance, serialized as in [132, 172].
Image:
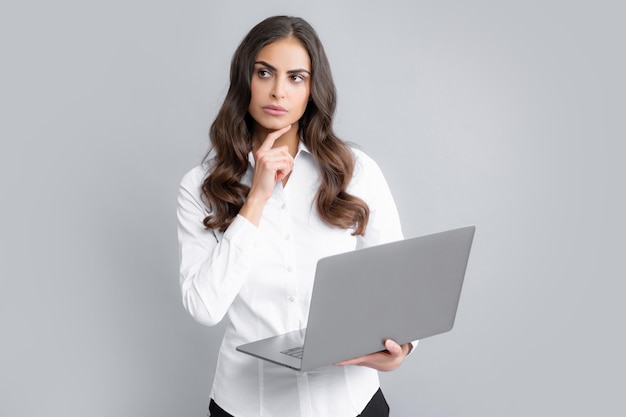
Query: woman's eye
[297, 78]
[263, 73]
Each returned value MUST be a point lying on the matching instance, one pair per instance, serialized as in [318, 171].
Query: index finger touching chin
[272, 137]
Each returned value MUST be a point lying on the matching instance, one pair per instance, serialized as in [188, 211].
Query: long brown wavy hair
[231, 134]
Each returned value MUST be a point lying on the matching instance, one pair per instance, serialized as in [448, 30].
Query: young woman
[278, 191]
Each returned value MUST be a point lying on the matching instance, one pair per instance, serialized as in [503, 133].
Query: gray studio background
[507, 115]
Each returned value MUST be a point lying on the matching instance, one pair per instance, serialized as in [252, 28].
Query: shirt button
[289, 268]
[287, 237]
[283, 206]
[292, 299]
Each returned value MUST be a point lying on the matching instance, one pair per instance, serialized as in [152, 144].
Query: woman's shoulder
[193, 180]
[364, 165]
[195, 176]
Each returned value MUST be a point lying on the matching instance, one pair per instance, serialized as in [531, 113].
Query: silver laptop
[405, 291]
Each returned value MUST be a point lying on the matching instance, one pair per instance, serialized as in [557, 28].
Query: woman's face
[280, 85]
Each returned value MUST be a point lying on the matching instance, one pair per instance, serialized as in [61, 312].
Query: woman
[278, 191]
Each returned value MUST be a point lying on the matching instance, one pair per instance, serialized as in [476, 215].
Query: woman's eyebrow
[271, 67]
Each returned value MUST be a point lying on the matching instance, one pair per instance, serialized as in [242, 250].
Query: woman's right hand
[271, 165]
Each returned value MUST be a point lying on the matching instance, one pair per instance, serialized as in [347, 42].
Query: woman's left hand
[387, 360]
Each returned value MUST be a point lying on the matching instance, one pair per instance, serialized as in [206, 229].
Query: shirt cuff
[412, 347]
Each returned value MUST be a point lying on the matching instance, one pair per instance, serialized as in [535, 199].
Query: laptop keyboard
[296, 352]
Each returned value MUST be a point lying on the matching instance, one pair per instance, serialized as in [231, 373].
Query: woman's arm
[212, 272]
[383, 227]
[369, 184]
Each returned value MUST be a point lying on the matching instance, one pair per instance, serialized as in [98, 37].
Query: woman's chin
[274, 124]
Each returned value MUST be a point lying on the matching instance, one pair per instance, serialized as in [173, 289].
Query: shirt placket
[294, 316]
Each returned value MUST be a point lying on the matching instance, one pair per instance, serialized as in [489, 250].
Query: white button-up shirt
[262, 279]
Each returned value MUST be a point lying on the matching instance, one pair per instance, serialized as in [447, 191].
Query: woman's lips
[274, 110]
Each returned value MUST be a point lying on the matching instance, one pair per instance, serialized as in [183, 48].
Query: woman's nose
[278, 90]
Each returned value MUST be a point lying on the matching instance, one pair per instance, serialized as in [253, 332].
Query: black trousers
[377, 407]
